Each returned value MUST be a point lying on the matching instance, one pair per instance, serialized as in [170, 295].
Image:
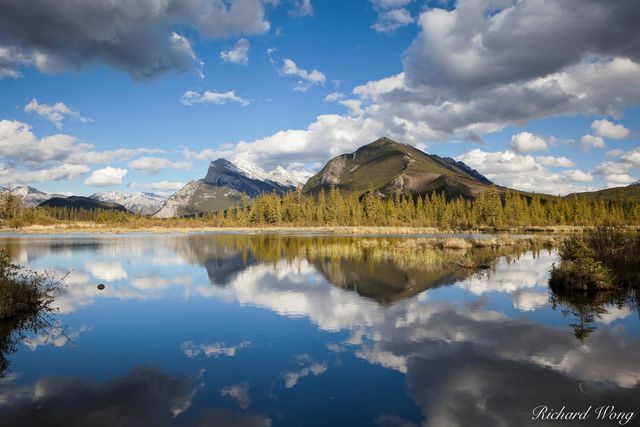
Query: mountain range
[140, 203]
[384, 165]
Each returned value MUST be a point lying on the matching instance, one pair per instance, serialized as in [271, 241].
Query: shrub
[23, 292]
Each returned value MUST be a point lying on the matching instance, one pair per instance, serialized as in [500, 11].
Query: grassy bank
[190, 226]
[601, 259]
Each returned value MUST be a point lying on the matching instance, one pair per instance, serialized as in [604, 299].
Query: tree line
[491, 208]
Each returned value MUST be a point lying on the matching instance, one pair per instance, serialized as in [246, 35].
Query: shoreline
[338, 230]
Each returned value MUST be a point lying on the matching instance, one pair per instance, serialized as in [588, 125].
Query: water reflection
[146, 396]
[469, 346]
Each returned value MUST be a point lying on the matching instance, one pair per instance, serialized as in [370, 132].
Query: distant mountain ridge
[138, 202]
[81, 202]
[221, 188]
[30, 196]
[391, 167]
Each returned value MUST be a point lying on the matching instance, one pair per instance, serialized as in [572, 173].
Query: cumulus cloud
[591, 141]
[11, 176]
[606, 129]
[153, 165]
[561, 162]
[137, 38]
[615, 174]
[524, 172]
[212, 97]
[301, 8]
[307, 78]
[55, 113]
[391, 15]
[27, 158]
[334, 96]
[526, 142]
[576, 175]
[484, 43]
[238, 54]
[11, 60]
[105, 177]
[393, 106]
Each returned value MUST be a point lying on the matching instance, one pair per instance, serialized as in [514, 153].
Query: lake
[285, 330]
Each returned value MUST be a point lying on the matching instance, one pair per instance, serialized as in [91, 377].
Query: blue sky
[141, 95]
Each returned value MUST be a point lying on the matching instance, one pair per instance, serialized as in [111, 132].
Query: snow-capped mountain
[279, 175]
[140, 203]
[224, 185]
[32, 197]
[635, 184]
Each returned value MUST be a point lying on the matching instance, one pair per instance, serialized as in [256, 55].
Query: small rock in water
[100, 287]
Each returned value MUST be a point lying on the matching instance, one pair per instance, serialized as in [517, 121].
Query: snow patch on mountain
[138, 202]
[32, 197]
[287, 177]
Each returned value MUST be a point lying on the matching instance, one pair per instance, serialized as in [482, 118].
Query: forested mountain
[80, 202]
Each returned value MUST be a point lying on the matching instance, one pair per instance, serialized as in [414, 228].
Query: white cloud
[239, 393]
[162, 186]
[20, 145]
[12, 176]
[561, 162]
[334, 96]
[153, 165]
[391, 20]
[212, 350]
[530, 301]
[105, 177]
[591, 141]
[55, 113]
[109, 271]
[616, 174]
[301, 8]
[353, 105]
[392, 15]
[212, 97]
[616, 152]
[632, 157]
[526, 142]
[11, 60]
[307, 79]
[523, 172]
[576, 175]
[606, 129]
[239, 54]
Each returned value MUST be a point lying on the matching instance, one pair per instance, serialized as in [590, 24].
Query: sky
[140, 95]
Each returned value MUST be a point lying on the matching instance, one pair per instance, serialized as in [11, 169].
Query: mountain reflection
[485, 350]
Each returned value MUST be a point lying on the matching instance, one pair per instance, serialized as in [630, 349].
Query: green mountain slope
[392, 167]
[617, 194]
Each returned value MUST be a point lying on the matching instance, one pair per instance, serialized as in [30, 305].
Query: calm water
[207, 330]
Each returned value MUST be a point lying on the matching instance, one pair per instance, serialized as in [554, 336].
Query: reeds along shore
[602, 259]
[491, 210]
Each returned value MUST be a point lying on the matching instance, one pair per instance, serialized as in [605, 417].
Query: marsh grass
[602, 259]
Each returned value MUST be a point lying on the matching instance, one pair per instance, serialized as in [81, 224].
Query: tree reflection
[589, 307]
